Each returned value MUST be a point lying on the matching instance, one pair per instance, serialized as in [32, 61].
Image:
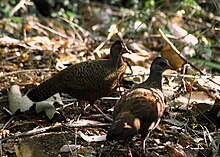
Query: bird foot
[129, 152]
[85, 113]
[83, 110]
[143, 147]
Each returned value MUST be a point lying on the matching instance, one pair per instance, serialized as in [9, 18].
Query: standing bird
[89, 80]
[140, 109]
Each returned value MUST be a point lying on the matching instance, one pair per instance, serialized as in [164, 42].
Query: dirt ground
[34, 48]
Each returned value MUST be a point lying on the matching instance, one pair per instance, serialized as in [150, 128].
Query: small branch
[177, 51]
[31, 132]
[42, 130]
[87, 123]
[74, 26]
[22, 71]
[17, 7]
[52, 31]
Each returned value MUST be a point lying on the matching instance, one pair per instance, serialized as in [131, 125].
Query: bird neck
[154, 80]
[116, 61]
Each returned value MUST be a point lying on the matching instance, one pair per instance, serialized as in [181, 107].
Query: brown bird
[140, 109]
[88, 80]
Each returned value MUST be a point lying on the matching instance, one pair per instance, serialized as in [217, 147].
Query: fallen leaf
[210, 81]
[66, 148]
[179, 32]
[174, 59]
[87, 123]
[135, 58]
[178, 151]
[137, 75]
[17, 101]
[196, 97]
[48, 106]
[174, 122]
[185, 37]
[92, 138]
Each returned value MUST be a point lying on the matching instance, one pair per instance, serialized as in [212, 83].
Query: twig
[105, 116]
[177, 51]
[51, 30]
[155, 148]
[36, 131]
[17, 7]
[22, 71]
[7, 122]
[42, 130]
[87, 124]
[65, 140]
[110, 98]
[74, 26]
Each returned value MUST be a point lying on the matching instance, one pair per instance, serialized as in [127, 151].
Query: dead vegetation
[34, 47]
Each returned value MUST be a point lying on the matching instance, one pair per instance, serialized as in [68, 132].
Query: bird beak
[170, 67]
[125, 50]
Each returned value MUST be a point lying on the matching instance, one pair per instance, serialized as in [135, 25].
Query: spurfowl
[139, 110]
[88, 80]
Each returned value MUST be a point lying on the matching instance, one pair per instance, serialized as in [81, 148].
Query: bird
[88, 80]
[139, 109]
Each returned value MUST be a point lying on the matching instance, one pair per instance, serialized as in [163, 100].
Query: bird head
[118, 48]
[160, 64]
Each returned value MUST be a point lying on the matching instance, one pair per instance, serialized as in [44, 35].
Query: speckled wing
[145, 104]
[91, 75]
[85, 75]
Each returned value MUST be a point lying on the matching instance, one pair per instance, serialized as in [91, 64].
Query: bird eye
[162, 64]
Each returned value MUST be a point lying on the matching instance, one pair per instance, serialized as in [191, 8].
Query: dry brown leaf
[187, 101]
[178, 151]
[174, 59]
[213, 82]
[135, 58]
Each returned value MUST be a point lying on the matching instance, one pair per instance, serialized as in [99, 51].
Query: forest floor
[33, 48]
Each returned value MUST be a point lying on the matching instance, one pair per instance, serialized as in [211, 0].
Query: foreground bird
[88, 80]
[140, 109]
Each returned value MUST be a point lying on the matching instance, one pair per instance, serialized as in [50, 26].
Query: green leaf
[69, 14]
[193, 4]
[205, 49]
[209, 64]
[149, 3]
[89, 155]
[16, 19]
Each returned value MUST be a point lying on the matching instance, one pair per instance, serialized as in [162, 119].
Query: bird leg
[82, 106]
[129, 150]
[143, 147]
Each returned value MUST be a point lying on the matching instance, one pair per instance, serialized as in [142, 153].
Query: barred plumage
[88, 80]
[140, 109]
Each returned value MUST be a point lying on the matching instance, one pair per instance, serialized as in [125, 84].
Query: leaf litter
[190, 125]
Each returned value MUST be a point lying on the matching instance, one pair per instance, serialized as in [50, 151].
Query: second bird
[88, 80]
[140, 109]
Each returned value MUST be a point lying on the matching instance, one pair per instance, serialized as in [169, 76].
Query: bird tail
[124, 127]
[45, 90]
